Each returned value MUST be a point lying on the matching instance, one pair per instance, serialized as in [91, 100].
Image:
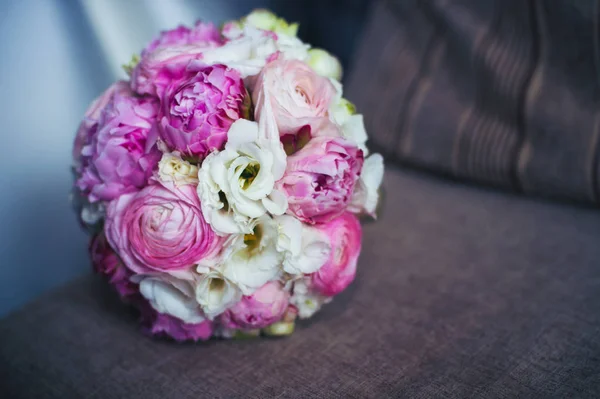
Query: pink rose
[197, 110]
[106, 262]
[266, 306]
[121, 154]
[344, 235]
[162, 325]
[89, 124]
[298, 95]
[160, 228]
[320, 178]
[201, 33]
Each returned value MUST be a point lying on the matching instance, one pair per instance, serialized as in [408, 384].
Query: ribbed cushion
[502, 92]
[461, 292]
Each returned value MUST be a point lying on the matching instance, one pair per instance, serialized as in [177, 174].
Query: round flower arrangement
[221, 184]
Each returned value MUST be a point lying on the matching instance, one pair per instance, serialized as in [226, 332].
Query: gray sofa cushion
[504, 92]
[460, 292]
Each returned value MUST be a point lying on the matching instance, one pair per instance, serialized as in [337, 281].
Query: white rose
[366, 192]
[172, 168]
[237, 184]
[252, 260]
[215, 293]
[306, 301]
[304, 249]
[171, 295]
[324, 63]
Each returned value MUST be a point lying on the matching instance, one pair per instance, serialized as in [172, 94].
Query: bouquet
[222, 181]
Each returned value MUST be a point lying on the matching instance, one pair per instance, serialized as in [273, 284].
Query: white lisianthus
[366, 192]
[172, 168]
[324, 63]
[343, 113]
[252, 260]
[237, 184]
[303, 248]
[171, 295]
[266, 20]
[214, 292]
[306, 301]
[93, 213]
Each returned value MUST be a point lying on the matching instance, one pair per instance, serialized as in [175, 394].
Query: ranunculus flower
[298, 95]
[121, 154]
[105, 261]
[198, 109]
[160, 228]
[344, 235]
[201, 34]
[159, 324]
[320, 178]
[266, 306]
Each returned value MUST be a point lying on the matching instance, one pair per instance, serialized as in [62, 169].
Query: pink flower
[106, 262]
[201, 34]
[160, 228]
[162, 325]
[344, 235]
[89, 124]
[197, 109]
[298, 95]
[320, 178]
[120, 153]
[265, 306]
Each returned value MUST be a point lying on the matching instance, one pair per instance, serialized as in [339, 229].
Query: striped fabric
[503, 92]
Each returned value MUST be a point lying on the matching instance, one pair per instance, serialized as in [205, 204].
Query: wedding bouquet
[220, 184]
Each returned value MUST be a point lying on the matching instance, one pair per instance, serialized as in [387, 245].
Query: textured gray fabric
[461, 292]
[505, 92]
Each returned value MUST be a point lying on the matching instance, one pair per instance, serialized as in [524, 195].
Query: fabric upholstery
[504, 92]
[461, 292]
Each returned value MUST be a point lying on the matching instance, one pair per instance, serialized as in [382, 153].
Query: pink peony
[162, 325]
[200, 34]
[120, 154]
[160, 228]
[298, 96]
[344, 235]
[320, 178]
[197, 110]
[264, 307]
[106, 262]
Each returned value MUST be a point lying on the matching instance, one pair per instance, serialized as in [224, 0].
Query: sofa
[481, 276]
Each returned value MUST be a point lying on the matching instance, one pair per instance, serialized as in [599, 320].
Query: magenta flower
[120, 154]
[201, 34]
[106, 262]
[320, 178]
[160, 228]
[344, 234]
[264, 307]
[162, 325]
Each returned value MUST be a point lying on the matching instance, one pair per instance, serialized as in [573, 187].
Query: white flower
[306, 301]
[343, 112]
[304, 249]
[215, 293]
[252, 260]
[324, 63]
[264, 19]
[172, 295]
[92, 213]
[366, 192]
[172, 168]
[237, 184]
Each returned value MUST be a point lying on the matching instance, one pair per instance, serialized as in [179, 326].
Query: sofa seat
[461, 292]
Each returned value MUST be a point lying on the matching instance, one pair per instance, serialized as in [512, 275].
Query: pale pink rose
[201, 33]
[298, 96]
[344, 234]
[106, 262]
[120, 154]
[89, 125]
[198, 109]
[264, 307]
[160, 228]
[162, 325]
[320, 178]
